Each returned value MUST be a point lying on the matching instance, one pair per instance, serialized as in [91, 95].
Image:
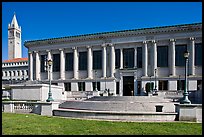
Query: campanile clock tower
[14, 39]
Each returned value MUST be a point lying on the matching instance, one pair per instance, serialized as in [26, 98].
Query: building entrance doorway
[128, 85]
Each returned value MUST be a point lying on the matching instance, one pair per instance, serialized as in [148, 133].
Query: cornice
[115, 34]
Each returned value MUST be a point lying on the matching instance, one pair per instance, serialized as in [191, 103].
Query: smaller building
[14, 70]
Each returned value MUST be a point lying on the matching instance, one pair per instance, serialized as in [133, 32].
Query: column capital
[154, 41]
[144, 42]
[172, 40]
[61, 49]
[36, 51]
[30, 52]
[74, 48]
[103, 45]
[88, 47]
[48, 50]
[111, 44]
[192, 38]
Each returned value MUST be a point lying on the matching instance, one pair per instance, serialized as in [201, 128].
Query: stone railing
[79, 95]
[41, 108]
[23, 107]
[174, 95]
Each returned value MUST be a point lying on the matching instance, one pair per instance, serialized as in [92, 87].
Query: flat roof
[15, 60]
[112, 32]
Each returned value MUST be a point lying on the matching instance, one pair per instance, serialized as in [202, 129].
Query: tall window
[97, 59]
[69, 62]
[128, 58]
[180, 60]
[11, 33]
[81, 86]
[198, 54]
[162, 56]
[117, 58]
[180, 84]
[163, 85]
[139, 57]
[56, 62]
[117, 87]
[94, 86]
[43, 63]
[17, 34]
[67, 86]
[199, 84]
[82, 60]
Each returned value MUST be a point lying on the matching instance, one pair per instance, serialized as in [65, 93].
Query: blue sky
[42, 20]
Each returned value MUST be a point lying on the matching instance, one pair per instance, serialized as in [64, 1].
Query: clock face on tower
[11, 33]
[17, 35]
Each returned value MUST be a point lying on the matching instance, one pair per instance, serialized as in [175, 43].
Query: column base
[61, 79]
[172, 76]
[192, 75]
[143, 77]
[89, 78]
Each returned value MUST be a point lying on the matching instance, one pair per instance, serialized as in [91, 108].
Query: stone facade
[116, 78]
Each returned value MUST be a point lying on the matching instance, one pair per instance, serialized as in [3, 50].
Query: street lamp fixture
[96, 81]
[155, 87]
[185, 94]
[49, 93]
[150, 84]
[105, 85]
[179, 83]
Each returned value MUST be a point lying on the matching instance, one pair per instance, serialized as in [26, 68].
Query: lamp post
[105, 85]
[150, 83]
[96, 81]
[179, 83]
[49, 93]
[155, 87]
[185, 94]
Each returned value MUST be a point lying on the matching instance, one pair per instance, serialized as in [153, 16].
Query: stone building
[122, 61]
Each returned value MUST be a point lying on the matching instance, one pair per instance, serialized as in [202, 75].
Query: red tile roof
[15, 60]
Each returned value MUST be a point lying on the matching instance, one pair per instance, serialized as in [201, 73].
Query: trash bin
[159, 108]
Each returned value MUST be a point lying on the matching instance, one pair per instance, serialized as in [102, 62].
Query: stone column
[154, 52]
[135, 58]
[112, 66]
[31, 66]
[16, 74]
[49, 57]
[172, 57]
[135, 83]
[90, 62]
[37, 69]
[62, 64]
[121, 58]
[104, 60]
[121, 83]
[20, 74]
[144, 59]
[25, 73]
[3, 75]
[192, 56]
[8, 74]
[75, 63]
